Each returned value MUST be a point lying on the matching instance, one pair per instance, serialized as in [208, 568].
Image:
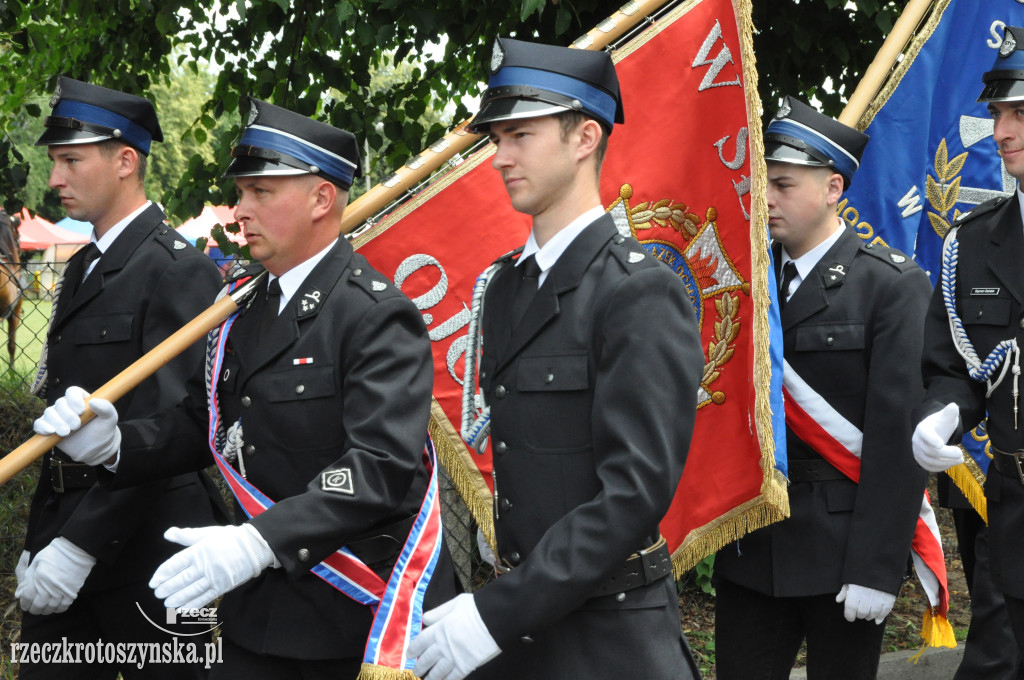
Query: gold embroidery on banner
[699, 257]
[943, 190]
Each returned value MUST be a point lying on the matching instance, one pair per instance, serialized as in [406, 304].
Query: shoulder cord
[476, 414]
[998, 357]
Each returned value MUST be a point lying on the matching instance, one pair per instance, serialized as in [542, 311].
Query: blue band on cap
[276, 140]
[597, 101]
[845, 164]
[131, 132]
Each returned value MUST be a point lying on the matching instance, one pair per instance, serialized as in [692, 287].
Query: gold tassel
[371, 671]
[936, 631]
[967, 481]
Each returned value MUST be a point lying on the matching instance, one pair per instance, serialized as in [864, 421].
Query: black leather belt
[641, 569]
[1009, 463]
[385, 546]
[66, 475]
[813, 470]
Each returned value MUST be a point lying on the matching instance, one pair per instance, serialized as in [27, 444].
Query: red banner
[678, 175]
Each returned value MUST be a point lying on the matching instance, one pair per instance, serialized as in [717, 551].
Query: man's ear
[127, 159]
[589, 135]
[325, 198]
[835, 188]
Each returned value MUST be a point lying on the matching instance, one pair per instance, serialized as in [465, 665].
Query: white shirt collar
[806, 263]
[293, 278]
[1020, 203]
[553, 249]
[107, 240]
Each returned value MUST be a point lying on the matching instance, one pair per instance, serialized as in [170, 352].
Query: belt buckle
[54, 461]
[649, 568]
[1016, 459]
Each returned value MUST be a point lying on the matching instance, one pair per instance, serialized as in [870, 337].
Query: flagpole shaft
[459, 139]
[884, 60]
[125, 381]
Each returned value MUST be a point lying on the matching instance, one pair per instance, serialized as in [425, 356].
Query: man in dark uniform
[975, 369]
[321, 402]
[852, 314]
[91, 549]
[591, 364]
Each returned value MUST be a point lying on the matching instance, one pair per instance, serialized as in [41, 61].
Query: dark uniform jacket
[593, 398]
[990, 303]
[855, 338]
[342, 380]
[149, 283]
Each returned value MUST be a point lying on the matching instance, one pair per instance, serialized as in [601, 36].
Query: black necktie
[788, 274]
[530, 271]
[89, 254]
[270, 307]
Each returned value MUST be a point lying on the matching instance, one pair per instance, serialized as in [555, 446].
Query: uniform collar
[107, 240]
[293, 278]
[806, 263]
[1020, 203]
[553, 249]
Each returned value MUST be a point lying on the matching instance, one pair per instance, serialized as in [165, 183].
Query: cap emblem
[254, 112]
[497, 56]
[56, 97]
[783, 110]
[1008, 46]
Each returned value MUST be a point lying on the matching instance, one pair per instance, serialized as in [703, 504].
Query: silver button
[505, 504]
[246, 401]
[303, 555]
[357, 272]
[1021, 325]
[514, 557]
[500, 448]
[500, 391]
[250, 450]
[103, 333]
[830, 341]
[526, 639]
[299, 389]
[550, 378]
[621, 597]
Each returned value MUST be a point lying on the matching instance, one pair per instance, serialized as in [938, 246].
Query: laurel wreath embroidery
[943, 190]
[677, 216]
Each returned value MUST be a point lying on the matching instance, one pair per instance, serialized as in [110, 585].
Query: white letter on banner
[741, 150]
[724, 57]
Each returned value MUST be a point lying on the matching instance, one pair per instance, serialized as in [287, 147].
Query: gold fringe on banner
[901, 69]
[371, 671]
[772, 504]
[969, 478]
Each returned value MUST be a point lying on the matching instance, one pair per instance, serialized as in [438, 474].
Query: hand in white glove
[865, 603]
[217, 560]
[929, 441]
[454, 642]
[93, 443]
[19, 573]
[51, 582]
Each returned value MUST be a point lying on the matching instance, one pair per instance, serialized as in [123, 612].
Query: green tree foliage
[317, 57]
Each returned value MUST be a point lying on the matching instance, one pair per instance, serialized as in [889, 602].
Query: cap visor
[511, 108]
[247, 166]
[57, 135]
[1002, 91]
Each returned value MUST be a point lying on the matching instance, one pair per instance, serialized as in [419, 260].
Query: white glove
[865, 603]
[19, 573]
[51, 582]
[217, 560]
[93, 443]
[454, 642]
[929, 441]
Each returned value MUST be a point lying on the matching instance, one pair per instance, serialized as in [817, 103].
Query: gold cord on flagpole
[884, 61]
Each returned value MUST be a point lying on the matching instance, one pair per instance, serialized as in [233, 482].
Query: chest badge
[338, 481]
[178, 245]
[897, 258]
[635, 257]
[378, 286]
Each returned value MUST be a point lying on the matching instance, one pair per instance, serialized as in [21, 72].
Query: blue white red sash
[397, 604]
[839, 442]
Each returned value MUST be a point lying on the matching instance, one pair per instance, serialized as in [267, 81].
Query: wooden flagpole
[458, 140]
[143, 367]
[877, 73]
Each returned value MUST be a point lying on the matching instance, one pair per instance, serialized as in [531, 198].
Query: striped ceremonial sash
[397, 604]
[839, 442]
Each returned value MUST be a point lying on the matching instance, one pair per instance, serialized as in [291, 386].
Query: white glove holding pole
[929, 441]
[19, 573]
[217, 560]
[52, 580]
[454, 641]
[94, 443]
[865, 603]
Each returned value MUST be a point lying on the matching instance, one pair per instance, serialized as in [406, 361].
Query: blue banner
[931, 156]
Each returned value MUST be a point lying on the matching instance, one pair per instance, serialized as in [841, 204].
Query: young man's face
[536, 165]
[276, 214]
[1008, 131]
[801, 205]
[86, 179]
